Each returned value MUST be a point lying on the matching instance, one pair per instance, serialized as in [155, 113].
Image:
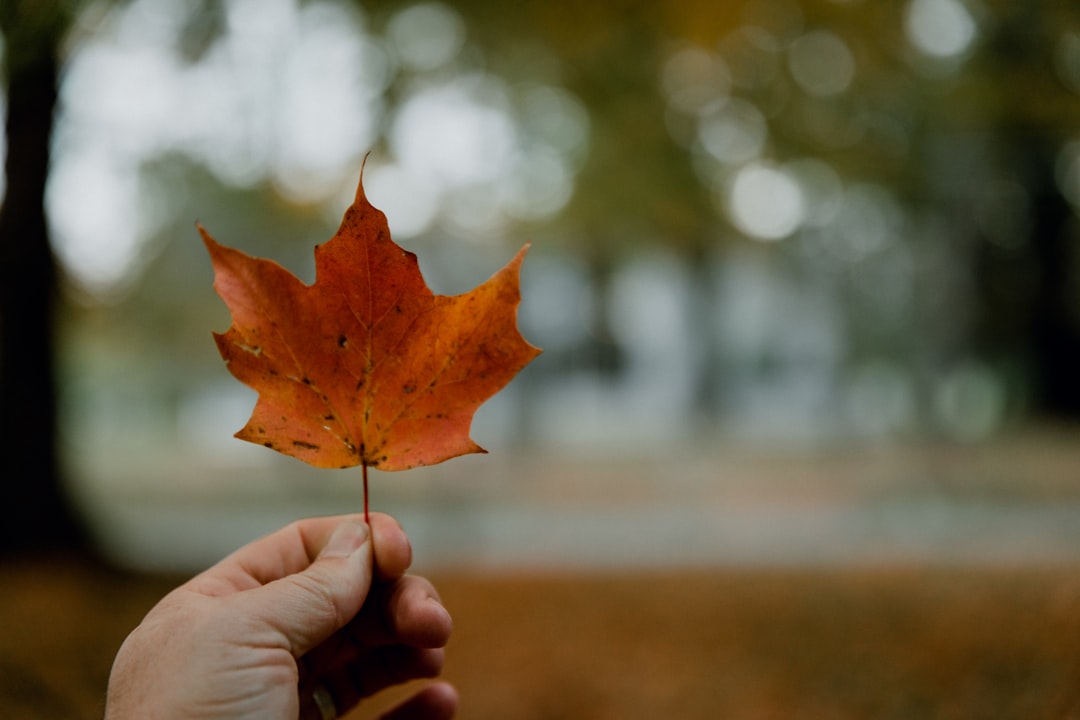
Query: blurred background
[764, 233]
[806, 272]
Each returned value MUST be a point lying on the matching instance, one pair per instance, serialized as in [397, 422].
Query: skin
[323, 601]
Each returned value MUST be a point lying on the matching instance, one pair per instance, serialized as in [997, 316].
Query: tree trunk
[1055, 322]
[38, 515]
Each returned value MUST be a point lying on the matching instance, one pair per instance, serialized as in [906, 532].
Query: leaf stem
[367, 519]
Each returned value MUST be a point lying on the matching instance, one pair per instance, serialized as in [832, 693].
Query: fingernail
[346, 539]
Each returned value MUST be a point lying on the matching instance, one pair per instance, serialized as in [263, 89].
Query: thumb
[308, 607]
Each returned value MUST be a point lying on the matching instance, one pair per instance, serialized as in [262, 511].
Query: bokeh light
[765, 201]
[426, 36]
[940, 28]
[821, 63]
[970, 401]
[693, 79]
[733, 132]
[95, 218]
[473, 140]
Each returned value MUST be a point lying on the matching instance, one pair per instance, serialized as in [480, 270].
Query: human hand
[305, 622]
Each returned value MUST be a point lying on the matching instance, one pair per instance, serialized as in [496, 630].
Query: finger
[394, 665]
[414, 614]
[393, 553]
[438, 701]
[306, 608]
[407, 611]
[376, 671]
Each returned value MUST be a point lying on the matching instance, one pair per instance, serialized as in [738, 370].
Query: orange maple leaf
[366, 366]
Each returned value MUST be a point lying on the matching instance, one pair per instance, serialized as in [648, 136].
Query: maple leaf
[366, 366]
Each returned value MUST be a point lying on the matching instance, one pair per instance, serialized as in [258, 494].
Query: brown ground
[837, 643]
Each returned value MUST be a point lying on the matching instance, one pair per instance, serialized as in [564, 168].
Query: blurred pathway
[1014, 502]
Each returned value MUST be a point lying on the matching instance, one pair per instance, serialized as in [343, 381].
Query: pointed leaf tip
[360, 195]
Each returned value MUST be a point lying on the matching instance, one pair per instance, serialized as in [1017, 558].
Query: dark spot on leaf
[328, 417]
[306, 380]
[269, 445]
[305, 445]
[408, 389]
[342, 341]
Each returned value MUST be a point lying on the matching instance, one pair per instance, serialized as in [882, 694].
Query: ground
[928, 581]
[894, 641]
